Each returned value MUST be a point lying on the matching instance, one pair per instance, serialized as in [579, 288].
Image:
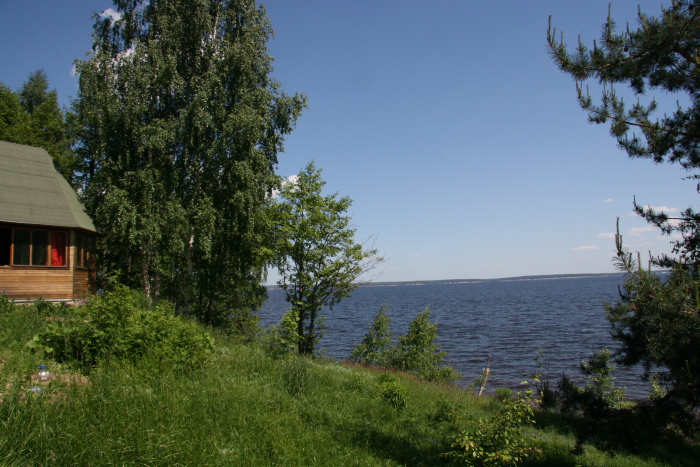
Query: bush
[372, 350]
[118, 326]
[658, 324]
[605, 419]
[600, 395]
[282, 339]
[6, 305]
[418, 353]
[394, 394]
[497, 440]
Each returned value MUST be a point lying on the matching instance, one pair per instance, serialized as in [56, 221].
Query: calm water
[507, 319]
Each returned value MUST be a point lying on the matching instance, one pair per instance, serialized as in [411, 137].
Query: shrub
[283, 338]
[119, 327]
[394, 394]
[418, 353]
[504, 394]
[356, 383]
[657, 324]
[605, 419]
[6, 305]
[600, 394]
[497, 440]
[447, 412]
[372, 350]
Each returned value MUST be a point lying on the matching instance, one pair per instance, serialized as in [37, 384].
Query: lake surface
[508, 319]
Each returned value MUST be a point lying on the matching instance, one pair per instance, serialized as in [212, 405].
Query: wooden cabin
[47, 240]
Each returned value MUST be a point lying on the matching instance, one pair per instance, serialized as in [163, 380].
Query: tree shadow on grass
[625, 432]
[405, 449]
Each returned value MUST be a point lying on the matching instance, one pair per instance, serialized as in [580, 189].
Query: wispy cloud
[639, 231]
[668, 238]
[585, 248]
[609, 200]
[607, 235]
[661, 209]
[419, 256]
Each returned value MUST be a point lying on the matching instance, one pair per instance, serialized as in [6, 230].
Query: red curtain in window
[58, 249]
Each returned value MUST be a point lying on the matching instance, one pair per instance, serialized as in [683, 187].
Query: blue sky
[460, 142]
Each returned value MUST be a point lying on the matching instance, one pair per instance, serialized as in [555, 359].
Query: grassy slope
[245, 408]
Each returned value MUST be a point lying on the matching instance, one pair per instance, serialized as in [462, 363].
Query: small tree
[316, 254]
[656, 320]
[372, 349]
[418, 353]
[658, 324]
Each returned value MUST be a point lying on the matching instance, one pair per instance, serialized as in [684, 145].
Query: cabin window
[23, 247]
[58, 248]
[5, 246]
[85, 251]
[39, 248]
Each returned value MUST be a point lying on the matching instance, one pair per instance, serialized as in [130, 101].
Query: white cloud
[661, 209]
[585, 248]
[638, 231]
[419, 256]
[609, 200]
[111, 13]
[608, 235]
[292, 179]
[670, 237]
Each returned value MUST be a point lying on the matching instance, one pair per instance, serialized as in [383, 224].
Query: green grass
[247, 408]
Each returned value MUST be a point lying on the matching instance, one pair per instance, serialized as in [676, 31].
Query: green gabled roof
[33, 192]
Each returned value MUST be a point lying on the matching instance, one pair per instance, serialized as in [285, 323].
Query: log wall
[28, 284]
[59, 283]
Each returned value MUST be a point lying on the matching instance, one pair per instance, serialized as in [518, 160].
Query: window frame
[31, 253]
[84, 251]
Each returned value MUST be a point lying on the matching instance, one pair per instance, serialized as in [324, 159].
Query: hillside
[245, 406]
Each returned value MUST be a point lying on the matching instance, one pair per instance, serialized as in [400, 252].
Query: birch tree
[318, 260]
[181, 125]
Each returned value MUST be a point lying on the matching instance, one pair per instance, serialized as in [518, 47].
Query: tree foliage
[373, 349]
[418, 353]
[659, 56]
[656, 320]
[119, 326]
[33, 116]
[415, 352]
[316, 254]
[180, 128]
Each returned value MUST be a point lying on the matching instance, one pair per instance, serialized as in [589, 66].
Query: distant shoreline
[473, 281]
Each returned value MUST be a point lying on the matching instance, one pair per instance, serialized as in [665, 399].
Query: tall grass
[243, 407]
